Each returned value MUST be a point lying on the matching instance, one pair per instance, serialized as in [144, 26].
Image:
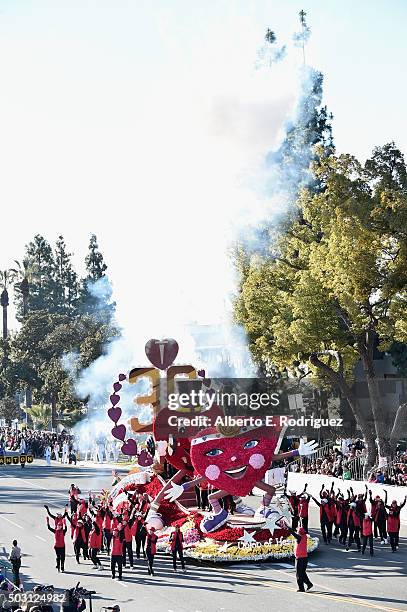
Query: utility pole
[304, 29]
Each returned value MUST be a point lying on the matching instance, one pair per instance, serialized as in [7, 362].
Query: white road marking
[312, 565]
[12, 522]
[285, 565]
[121, 583]
[40, 538]
[35, 486]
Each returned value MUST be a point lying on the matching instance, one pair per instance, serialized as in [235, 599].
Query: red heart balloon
[115, 399]
[242, 461]
[162, 353]
[117, 386]
[130, 447]
[119, 432]
[114, 413]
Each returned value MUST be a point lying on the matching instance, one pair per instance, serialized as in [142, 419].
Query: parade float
[230, 460]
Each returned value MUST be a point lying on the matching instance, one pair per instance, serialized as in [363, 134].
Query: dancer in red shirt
[301, 558]
[151, 549]
[59, 544]
[367, 533]
[177, 547]
[117, 552]
[393, 523]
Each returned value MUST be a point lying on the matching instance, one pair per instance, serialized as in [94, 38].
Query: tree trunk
[53, 411]
[381, 427]
[28, 397]
[365, 426]
[399, 429]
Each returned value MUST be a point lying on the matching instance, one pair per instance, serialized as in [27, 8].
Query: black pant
[16, 564]
[60, 553]
[127, 547]
[301, 573]
[204, 499]
[140, 542]
[381, 528]
[181, 557]
[116, 560]
[74, 505]
[78, 547]
[150, 561]
[365, 540]
[108, 539]
[354, 536]
[394, 539]
[343, 532]
[198, 496]
[326, 528]
[304, 523]
[294, 522]
[94, 556]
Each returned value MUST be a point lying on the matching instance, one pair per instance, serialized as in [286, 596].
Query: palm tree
[6, 278]
[23, 274]
[41, 415]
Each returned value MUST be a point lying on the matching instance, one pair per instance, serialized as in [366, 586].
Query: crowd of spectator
[338, 462]
[35, 442]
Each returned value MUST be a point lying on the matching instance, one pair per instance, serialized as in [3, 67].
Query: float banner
[16, 459]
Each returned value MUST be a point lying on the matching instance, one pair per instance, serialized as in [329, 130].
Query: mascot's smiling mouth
[237, 473]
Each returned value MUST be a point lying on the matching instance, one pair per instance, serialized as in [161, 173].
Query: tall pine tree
[66, 280]
[96, 292]
[40, 259]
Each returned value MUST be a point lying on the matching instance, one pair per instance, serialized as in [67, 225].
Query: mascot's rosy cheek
[233, 464]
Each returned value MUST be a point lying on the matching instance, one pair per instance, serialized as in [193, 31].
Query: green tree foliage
[40, 415]
[334, 287]
[66, 280]
[9, 409]
[63, 329]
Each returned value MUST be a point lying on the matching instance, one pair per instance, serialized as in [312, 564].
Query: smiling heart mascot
[234, 460]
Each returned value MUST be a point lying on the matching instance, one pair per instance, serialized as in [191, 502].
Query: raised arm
[315, 500]
[305, 489]
[49, 512]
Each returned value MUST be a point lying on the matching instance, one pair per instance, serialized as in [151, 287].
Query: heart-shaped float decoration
[130, 447]
[201, 373]
[145, 459]
[114, 414]
[119, 432]
[122, 377]
[115, 399]
[117, 386]
[162, 353]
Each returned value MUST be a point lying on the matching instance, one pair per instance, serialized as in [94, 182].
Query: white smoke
[232, 187]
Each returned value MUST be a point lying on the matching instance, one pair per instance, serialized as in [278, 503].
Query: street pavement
[342, 580]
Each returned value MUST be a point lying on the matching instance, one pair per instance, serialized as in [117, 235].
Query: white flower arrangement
[226, 552]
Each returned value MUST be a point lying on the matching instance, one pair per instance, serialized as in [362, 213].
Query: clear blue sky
[140, 121]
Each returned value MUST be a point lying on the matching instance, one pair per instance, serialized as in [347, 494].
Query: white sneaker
[244, 509]
[382, 542]
[101, 568]
[95, 567]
